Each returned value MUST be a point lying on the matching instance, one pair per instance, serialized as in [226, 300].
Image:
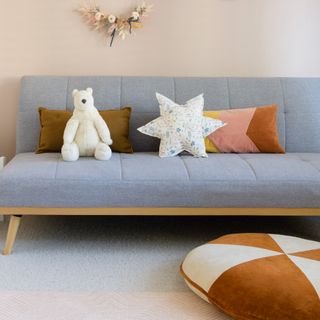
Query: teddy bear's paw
[70, 152]
[109, 142]
[103, 152]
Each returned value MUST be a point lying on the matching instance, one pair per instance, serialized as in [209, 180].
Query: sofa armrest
[2, 163]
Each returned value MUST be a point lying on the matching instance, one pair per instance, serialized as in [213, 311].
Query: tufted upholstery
[298, 100]
[145, 180]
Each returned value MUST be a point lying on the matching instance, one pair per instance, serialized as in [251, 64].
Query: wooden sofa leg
[12, 232]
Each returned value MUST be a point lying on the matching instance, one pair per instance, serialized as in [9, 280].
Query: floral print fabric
[181, 127]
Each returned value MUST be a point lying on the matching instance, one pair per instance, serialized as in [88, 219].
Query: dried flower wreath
[114, 25]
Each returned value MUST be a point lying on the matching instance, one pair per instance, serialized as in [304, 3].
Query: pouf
[257, 276]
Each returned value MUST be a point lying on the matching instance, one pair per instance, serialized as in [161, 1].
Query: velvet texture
[257, 276]
[248, 130]
[53, 122]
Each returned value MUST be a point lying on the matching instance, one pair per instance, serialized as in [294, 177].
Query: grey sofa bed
[144, 184]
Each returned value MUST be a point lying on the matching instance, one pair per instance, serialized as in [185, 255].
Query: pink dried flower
[112, 28]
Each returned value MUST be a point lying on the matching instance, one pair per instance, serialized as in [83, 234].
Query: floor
[123, 267]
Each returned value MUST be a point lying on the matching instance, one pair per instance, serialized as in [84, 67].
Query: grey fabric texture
[146, 180]
[143, 179]
[298, 100]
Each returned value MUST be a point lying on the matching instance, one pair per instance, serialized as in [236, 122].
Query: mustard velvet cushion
[257, 276]
[248, 130]
[53, 122]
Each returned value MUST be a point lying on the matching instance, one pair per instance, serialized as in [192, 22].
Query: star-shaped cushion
[181, 127]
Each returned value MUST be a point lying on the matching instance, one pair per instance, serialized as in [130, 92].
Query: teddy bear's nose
[83, 100]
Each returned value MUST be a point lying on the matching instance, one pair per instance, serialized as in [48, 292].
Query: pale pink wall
[181, 38]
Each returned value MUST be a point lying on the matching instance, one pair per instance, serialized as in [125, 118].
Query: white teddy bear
[86, 133]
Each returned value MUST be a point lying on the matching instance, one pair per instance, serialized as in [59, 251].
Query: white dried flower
[112, 18]
[123, 34]
[135, 15]
[99, 15]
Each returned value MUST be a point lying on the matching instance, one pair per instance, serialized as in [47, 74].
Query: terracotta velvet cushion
[257, 276]
[249, 130]
[53, 122]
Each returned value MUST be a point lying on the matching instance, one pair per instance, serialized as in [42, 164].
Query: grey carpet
[121, 254]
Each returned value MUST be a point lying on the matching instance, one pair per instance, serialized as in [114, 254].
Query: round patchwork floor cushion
[257, 276]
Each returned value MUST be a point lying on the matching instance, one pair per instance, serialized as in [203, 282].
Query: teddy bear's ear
[89, 90]
[74, 92]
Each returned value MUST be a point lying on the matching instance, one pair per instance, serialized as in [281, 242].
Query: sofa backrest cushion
[298, 100]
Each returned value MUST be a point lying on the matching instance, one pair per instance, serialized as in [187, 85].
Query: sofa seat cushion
[145, 180]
